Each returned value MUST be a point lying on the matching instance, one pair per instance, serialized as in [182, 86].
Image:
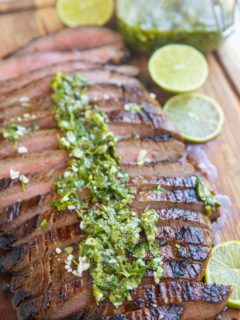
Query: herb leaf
[207, 196]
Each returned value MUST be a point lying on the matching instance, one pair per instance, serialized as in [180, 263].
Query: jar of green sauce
[148, 24]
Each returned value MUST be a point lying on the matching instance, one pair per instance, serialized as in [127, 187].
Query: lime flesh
[224, 268]
[74, 13]
[198, 117]
[178, 68]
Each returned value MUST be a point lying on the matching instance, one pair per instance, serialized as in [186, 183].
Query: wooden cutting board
[22, 20]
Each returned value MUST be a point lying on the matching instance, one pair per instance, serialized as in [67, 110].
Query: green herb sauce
[148, 26]
[205, 194]
[111, 247]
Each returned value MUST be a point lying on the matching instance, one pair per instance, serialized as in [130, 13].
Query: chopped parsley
[44, 225]
[159, 188]
[133, 107]
[207, 196]
[13, 132]
[112, 231]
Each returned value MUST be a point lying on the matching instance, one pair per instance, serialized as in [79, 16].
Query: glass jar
[148, 24]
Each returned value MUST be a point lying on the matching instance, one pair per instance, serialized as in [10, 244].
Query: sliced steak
[184, 199]
[51, 271]
[34, 142]
[31, 223]
[39, 109]
[201, 301]
[41, 87]
[72, 39]
[130, 151]
[165, 182]
[39, 185]
[171, 312]
[16, 214]
[197, 298]
[33, 163]
[18, 258]
[66, 67]
[167, 169]
[22, 66]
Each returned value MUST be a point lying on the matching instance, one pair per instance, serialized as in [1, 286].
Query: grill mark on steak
[43, 108]
[31, 226]
[165, 182]
[178, 270]
[94, 92]
[173, 266]
[184, 199]
[189, 294]
[71, 39]
[41, 87]
[171, 312]
[165, 148]
[19, 212]
[58, 238]
[82, 63]
[170, 252]
[32, 66]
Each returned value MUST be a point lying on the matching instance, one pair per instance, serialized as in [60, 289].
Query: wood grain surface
[23, 20]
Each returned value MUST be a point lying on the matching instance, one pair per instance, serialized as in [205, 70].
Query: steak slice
[184, 199]
[130, 150]
[200, 300]
[165, 182]
[167, 169]
[44, 244]
[157, 148]
[39, 185]
[41, 87]
[31, 225]
[171, 312]
[40, 108]
[69, 66]
[51, 271]
[72, 39]
[33, 163]
[19, 212]
[23, 65]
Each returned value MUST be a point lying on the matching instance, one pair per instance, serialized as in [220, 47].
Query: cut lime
[224, 268]
[198, 117]
[74, 13]
[178, 68]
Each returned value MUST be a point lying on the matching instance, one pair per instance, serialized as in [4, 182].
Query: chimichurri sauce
[147, 25]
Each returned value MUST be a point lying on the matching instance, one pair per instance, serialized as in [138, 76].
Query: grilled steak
[35, 233]
[22, 66]
[69, 66]
[72, 40]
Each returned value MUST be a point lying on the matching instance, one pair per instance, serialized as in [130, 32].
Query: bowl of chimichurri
[147, 25]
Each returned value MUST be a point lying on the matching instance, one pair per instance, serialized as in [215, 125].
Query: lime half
[178, 68]
[224, 268]
[198, 117]
[74, 13]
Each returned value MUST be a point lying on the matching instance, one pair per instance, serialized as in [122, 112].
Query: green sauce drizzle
[112, 247]
[207, 196]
